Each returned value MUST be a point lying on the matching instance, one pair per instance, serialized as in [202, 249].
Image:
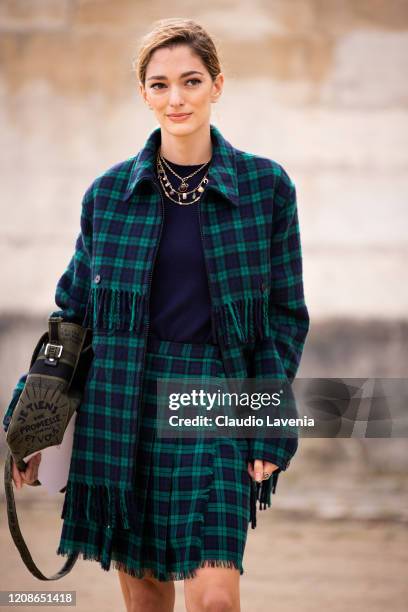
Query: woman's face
[177, 82]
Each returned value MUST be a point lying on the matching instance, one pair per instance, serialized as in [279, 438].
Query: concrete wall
[320, 86]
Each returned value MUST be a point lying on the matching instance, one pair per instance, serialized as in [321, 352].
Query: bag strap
[17, 535]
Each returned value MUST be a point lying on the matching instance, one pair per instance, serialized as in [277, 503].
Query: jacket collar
[222, 173]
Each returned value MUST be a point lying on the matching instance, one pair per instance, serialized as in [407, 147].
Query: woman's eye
[189, 81]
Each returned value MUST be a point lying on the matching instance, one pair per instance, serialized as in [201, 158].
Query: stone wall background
[320, 86]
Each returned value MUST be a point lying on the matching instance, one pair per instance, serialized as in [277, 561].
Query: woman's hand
[257, 472]
[30, 475]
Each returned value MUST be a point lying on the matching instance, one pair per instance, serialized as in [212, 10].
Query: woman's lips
[179, 117]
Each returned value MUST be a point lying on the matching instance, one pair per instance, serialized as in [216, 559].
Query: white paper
[53, 470]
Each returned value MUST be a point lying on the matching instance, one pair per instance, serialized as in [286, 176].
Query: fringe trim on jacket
[111, 506]
[244, 320]
[262, 492]
[115, 309]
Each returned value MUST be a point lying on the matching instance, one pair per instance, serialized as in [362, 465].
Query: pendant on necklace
[183, 186]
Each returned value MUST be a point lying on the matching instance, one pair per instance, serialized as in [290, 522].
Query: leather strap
[54, 329]
[17, 535]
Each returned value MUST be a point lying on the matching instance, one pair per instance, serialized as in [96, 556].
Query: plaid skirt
[193, 494]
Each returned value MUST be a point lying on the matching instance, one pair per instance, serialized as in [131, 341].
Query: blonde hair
[175, 31]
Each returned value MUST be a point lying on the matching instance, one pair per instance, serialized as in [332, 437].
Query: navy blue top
[180, 299]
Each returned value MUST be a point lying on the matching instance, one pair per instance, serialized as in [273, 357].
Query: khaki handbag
[52, 393]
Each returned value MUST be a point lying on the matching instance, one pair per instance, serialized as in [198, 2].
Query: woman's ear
[217, 87]
[142, 92]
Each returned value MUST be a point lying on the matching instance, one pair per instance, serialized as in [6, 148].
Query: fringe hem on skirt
[142, 572]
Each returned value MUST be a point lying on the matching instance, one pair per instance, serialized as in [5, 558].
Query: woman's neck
[189, 149]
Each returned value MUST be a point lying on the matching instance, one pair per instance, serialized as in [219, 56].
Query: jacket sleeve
[278, 356]
[72, 291]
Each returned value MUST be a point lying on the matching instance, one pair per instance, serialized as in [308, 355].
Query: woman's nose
[175, 97]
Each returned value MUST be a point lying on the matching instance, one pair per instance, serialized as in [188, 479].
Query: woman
[188, 264]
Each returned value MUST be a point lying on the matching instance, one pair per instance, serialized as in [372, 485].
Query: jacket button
[97, 278]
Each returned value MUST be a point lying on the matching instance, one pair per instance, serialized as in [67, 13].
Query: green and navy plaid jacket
[250, 233]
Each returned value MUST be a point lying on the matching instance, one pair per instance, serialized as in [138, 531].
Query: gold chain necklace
[169, 190]
[183, 185]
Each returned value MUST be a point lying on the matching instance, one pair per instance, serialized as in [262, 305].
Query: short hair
[176, 31]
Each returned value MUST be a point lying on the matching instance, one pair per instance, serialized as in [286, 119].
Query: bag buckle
[52, 352]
